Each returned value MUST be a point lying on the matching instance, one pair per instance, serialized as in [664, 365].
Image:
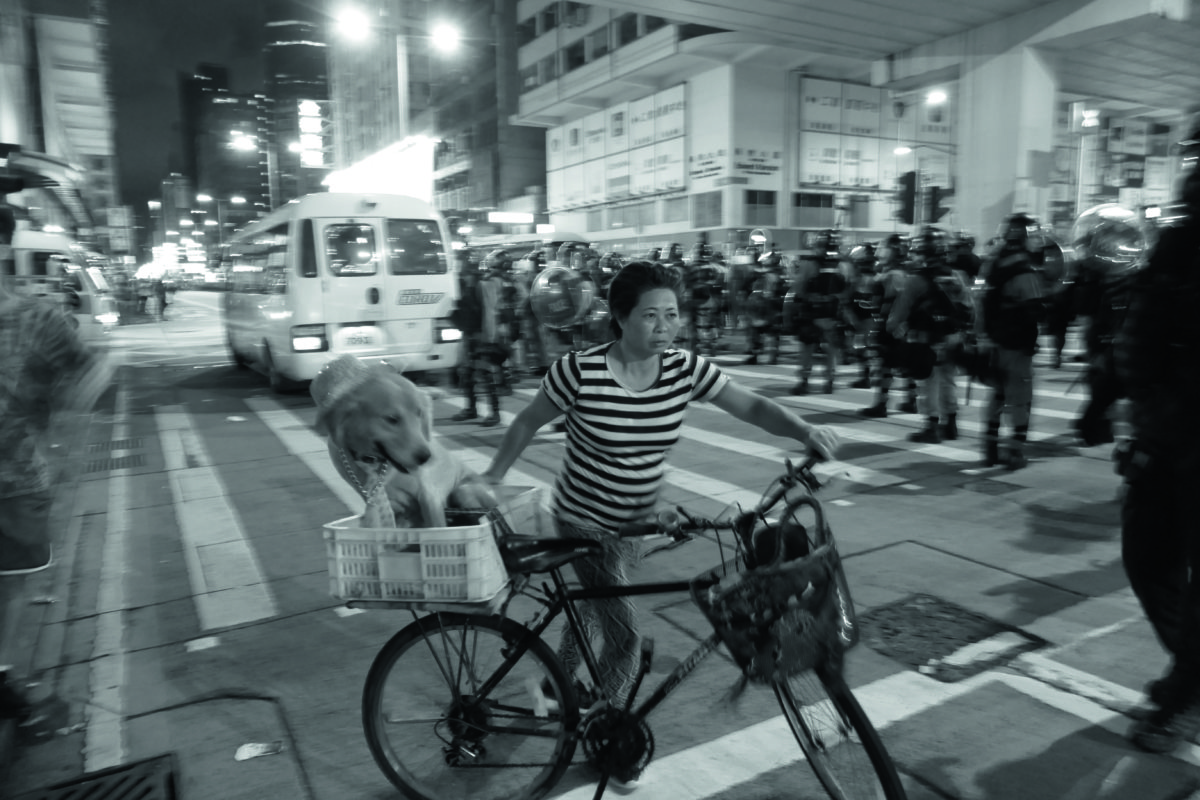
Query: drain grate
[121, 462]
[152, 779]
[941, 639]
[116, 444]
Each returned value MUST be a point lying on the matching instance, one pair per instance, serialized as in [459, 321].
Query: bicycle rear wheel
[439, 733]
[841, 744]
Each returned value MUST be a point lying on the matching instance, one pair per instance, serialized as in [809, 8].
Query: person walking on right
[1156, 356]
[1008, 323]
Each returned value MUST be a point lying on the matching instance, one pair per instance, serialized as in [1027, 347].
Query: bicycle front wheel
[448, 717]
[842, 746]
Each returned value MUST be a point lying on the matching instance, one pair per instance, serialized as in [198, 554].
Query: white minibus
[53, 266]
[334, 273]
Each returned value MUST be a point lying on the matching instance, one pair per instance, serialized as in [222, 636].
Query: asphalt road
[189, 612]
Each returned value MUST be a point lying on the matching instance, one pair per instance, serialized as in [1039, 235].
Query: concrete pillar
[1005, 136]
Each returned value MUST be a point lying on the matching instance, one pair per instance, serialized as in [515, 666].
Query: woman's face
[653, 323]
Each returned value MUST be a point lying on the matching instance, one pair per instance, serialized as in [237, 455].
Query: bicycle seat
[525, 555]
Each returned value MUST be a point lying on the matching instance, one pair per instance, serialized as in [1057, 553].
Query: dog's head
[378, 416]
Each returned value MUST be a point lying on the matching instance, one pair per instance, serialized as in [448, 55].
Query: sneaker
[800, 388]
[751, 361]
[464, 415]
[950, 430]
[877, 411]
[490, 420]
[1165, 729]
[1016, 460]
[28, 562]
[828, 387]
[861, 383]
[909, 406]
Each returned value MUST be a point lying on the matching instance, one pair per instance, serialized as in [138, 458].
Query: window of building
[598, 43]
[760, 208]
[675, 209]
[526, 31]
[595, 219]
[529, 78]
[707, 210]
[812, 210]
[631, 216]
[549, 68]
[548, 18]
[625, 29]
[653, 23]
[574, 56]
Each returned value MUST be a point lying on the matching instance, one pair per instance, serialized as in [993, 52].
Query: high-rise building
[405, 106]
[299, 132]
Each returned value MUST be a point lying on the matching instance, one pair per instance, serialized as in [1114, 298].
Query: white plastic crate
[453, 564]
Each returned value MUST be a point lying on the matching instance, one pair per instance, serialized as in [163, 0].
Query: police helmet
[675, 252]
[498, 261]
[931, 244]
[863, 255]
[655, 254]
[827, 244]
[1018, 229]
[611, 262]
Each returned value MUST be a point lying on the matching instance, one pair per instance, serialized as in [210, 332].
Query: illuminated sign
[312, 142]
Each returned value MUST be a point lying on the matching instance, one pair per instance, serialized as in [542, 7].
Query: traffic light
[907, 195]
[934, 208]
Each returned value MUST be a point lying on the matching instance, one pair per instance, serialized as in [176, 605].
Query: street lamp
[236, 200]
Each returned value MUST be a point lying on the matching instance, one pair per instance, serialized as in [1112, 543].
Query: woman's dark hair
[635, 279]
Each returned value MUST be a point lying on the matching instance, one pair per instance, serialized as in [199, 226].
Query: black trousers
[1160, 545]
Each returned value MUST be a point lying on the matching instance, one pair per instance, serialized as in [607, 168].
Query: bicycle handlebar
[680, 525]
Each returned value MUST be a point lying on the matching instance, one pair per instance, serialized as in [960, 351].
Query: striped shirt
[617, 438]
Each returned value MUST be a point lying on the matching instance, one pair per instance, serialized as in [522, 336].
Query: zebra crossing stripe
[227, 581]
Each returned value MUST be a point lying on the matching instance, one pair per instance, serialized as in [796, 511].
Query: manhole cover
[152, 779]
[941, 639]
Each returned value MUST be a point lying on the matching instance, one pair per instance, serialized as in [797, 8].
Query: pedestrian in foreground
[1157, 357]
[624, 403]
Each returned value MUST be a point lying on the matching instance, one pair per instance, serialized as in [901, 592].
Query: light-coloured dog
[379, 426]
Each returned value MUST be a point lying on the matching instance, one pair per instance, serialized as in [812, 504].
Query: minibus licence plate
[358, 337]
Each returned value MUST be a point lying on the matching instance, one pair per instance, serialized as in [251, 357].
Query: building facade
[658, 130]
[299, 128]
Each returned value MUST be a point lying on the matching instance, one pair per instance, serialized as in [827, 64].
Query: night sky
[151, 42]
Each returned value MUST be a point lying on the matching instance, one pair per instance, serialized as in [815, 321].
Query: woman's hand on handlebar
[824, 441]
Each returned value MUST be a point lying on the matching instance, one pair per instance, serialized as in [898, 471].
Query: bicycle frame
[562, 600]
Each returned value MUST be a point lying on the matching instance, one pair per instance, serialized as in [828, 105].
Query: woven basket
[778, 620]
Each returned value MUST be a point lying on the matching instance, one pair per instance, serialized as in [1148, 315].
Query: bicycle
[478, 705]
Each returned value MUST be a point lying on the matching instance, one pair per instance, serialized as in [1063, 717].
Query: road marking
[302, 442]
[719, 765]
[227, 581]
[104, 736]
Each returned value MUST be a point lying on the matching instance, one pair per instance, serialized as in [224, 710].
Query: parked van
[53, 266]
[335, 273]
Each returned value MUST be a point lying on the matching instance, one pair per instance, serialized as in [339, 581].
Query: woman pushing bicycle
[624, 403]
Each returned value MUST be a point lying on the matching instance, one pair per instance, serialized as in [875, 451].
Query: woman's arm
[527, 422]
[762, 412]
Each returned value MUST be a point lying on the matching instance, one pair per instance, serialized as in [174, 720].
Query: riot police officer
[1010, 312]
